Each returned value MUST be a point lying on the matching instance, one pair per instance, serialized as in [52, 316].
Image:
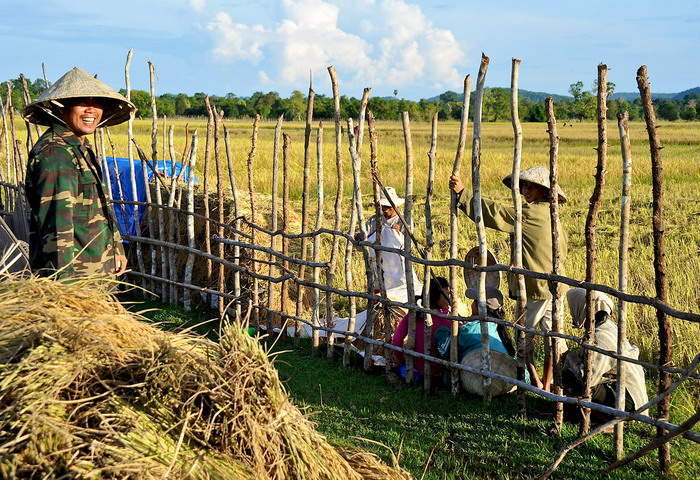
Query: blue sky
[420, 48]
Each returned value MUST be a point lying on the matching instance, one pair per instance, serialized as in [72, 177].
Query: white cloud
[264, 77]
[399, 46]
[198, 4]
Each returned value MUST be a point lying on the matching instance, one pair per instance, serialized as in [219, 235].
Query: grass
[439, 436]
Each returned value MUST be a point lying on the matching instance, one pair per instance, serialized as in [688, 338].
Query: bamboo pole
[132, 170]
[254, 300]
[428, 330]
[187, 294]
[660, 281]
[370, 264]
[237, 224]
[591, 237]
[623, 258]
[305, 197]
[378, 226]
[338, 206]
[273, 220]
[205, 188]
[20, 160]
[556, 258]
[220, 206]
[159, 196]
[316, 307]
[357, 140]
[517, 238]
[408, 266]
[454, 227]
[284, 290]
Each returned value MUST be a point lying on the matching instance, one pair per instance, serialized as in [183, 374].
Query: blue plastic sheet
[121, 187]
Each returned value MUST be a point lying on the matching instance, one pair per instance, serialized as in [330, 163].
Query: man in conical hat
[536, 251]
[73, 231]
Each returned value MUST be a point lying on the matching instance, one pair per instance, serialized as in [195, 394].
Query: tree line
[496, 107]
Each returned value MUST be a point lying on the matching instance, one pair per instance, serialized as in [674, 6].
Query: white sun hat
[384, 201]
[538, 175]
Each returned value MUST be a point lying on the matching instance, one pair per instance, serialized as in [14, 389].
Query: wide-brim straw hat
[471, 277]
[384, 201]
[538, 175]
[500, 363]
[76, 83]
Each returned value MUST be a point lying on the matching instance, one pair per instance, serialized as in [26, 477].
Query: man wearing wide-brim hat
[73, 231]
[536, 251]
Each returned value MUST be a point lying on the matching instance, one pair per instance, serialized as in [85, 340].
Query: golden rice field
[681, 154]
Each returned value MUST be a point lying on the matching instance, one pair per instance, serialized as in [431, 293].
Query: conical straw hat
[471, 277]
[539, 175]
[500, 363]
[78, 84]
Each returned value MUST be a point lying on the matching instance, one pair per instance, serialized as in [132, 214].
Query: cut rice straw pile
[88, 390]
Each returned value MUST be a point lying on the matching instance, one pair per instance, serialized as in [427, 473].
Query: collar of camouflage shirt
[69, 136]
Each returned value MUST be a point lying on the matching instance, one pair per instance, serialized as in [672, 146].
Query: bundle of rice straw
[87, 390]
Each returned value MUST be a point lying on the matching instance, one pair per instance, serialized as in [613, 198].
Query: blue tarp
[125, 213]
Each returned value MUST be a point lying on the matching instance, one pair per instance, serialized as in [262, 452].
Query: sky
[419, 48]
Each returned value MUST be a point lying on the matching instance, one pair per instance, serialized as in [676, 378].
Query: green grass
[445, 437]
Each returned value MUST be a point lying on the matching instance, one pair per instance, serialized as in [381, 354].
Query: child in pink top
[439, 298]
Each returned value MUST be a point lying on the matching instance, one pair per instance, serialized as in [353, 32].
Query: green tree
[583, 105]
[142, 101]
[688, 112]
[668, 110]
[182, 103]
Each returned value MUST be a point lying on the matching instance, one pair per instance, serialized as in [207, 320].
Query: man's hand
[396, 226]
[456, 184]
[120, 264]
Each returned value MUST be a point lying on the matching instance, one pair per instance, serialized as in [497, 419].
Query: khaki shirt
[537, 240]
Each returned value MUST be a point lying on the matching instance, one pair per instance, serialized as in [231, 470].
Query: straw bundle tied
[89, 391]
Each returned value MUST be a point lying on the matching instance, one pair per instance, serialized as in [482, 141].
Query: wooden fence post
[237, 225]
[591, 238]
[330, 272]
[660, 281]
[454, 228]
[205, 188]
[428, 330]
[304, 202]
[316, 307]
[132, 171]
[273, 221]
[378, 224]
[517, 238]
[623, 257]
[556, 259]
[159, 199]
[253, 303]
[221, 279]
[6, 139]
[187, 294]
[408, 266]
[284, 289]
[479, 221]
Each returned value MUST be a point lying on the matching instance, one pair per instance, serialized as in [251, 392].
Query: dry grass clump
[89, 391]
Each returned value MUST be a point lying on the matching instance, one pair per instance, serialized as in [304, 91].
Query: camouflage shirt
[72, 227]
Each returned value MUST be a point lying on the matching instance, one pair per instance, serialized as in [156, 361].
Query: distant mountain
[629, 96]
[538, 97]
[524, 94]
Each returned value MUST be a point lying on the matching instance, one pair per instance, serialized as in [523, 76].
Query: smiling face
[388, 212]
[82, 115]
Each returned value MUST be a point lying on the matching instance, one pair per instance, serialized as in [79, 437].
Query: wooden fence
[234, 251]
